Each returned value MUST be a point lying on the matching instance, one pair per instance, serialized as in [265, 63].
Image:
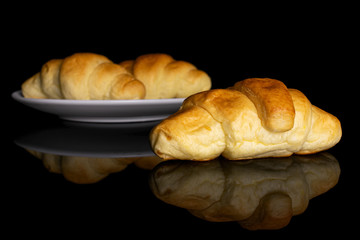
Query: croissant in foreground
[89, 76]
[257, 117]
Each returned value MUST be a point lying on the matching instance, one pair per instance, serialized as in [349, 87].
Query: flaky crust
[226, 122]
[272, 100]
[165, 77]
[83, 76]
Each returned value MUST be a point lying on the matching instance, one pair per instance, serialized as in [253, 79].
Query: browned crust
[272, 101]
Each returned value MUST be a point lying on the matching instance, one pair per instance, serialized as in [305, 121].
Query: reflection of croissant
[256, 118]
[85, 170]
[259, 194]
[83, 76]
[164, 77]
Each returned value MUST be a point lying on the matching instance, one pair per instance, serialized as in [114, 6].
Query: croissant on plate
[165, 77]
[257, 117]
[83, 76]
[89, 76]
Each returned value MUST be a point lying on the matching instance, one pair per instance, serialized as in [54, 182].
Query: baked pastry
[255, 118]
[259, 194]
[165, 77]
[272, 101]
[83, 76]
[88, 76]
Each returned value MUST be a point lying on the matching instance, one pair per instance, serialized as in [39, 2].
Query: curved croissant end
[83, 76]
[165, 77]
[226, 122]
[31, 88]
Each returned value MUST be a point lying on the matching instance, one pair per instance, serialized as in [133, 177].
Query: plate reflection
[95, 140]
[88, 153]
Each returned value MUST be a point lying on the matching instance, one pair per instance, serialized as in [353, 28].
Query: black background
[308, 48]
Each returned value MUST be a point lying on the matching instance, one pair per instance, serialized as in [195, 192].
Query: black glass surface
[84, 176]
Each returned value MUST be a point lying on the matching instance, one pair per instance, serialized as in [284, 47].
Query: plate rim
[104, 111]
[17, 95]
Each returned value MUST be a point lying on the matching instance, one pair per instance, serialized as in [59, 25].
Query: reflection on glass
[86, 139]
[85, 170]
[87, 153]
[259, 194]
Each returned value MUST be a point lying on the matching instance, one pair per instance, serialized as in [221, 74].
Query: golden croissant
[88, 76]
[257, 117]
[165, 77]
[83, 76]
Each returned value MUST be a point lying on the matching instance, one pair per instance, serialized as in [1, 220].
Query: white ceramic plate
[104, 110]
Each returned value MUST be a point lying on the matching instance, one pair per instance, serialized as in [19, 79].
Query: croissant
[165, 77]
[254, 118]
[83, 76]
